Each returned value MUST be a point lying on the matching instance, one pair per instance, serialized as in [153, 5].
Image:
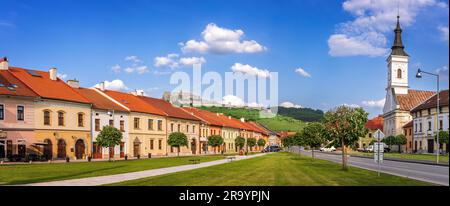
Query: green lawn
[428, 157]
[279, 169]
[21, 174]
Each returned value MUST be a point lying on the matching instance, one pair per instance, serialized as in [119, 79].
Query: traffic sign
[378, 135]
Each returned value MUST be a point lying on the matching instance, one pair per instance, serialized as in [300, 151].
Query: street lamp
[419, 75]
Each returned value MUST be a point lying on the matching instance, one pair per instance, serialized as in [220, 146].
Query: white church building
[400, 99]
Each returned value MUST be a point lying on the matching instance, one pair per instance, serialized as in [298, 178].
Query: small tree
[313, 136]
[239, 142]
[389, 140]
[443, 138]
[287, 142]
[251, 142]
[109, 137]
[215, 141]
[261, 142]
[345, 125]
[400, 140]
[298, 141]
[177, 139]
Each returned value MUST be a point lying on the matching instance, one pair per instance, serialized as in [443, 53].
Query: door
[2, 149]
[122, 153]
[136, 149]
[430, 146]
[79, 149]
[193, 147]
[21, 150]
[97, 151]
[111, 152]
[61, 149]
[48, 149]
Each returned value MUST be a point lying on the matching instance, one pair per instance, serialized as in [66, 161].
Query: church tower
[398, 64]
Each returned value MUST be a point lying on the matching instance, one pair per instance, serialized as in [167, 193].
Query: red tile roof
[134, 103]
[168, 108]
[375, 123]
[43, 86]
[259, 128]
[10, 85]
[412, 99]
[432, 102]
[409, 124]
[98, 100]
[206, 116]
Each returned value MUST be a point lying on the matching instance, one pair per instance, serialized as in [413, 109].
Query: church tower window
[399, 73]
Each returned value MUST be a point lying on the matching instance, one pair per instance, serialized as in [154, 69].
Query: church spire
[398, 48]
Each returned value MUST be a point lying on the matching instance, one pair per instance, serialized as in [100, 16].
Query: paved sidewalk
[109, 179]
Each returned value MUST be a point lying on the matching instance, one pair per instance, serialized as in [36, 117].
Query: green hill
[278, 123]
[304, 114]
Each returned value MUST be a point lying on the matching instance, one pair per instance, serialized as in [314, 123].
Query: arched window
[60, 118]
[46, 117]
[399, 73]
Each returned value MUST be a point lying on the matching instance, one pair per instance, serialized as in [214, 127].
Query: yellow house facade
[147, 135]
[191, 129]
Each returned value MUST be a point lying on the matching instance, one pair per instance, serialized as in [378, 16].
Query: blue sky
[340, 45]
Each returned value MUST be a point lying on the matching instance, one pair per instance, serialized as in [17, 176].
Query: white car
[330, 149]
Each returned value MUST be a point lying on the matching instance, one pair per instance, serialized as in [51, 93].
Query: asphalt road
[427, 173]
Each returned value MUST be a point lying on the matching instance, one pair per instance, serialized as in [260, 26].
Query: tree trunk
[344, 157]
[312, 152]
[178, 151]
[109, 154]
[399, 148]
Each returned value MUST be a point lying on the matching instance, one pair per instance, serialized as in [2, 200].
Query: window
[441, 125]
[160, 125]
[399, 73]
[193, 128]
[179, 128]
[97, 124]
[20, 113]
[122, 125]
[46, 117]
[151, 144]
[111, 123]
[171, 127]
[80, 119]
[420, 127]
[2, 112]
[420, 113]
[415, 127]
[429, 126]
[150, 124]
[370, 135]
[136, 123]
[159, 144]
[187, 128]
[429, 111]
[60, 118]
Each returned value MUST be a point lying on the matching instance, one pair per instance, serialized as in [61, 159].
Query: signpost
[378, 149]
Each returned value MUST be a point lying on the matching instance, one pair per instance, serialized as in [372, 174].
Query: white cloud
[220, 40]
[233, 100]
[134, 59]
[443, 73]
[302, 72]
[444, 33]
[374, 103]
[250, 70]
[351, 105]
[365, 35]
[116, 68]
[255, 105]
[116, 85]
[188, 61]
[290, 105]
[62, 76]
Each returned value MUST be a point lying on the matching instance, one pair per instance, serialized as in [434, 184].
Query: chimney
[73, 83]
[4, 63]
[52, 73]
[242, 119]
[101, 86]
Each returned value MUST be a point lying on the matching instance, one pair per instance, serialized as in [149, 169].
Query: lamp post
[419, 75]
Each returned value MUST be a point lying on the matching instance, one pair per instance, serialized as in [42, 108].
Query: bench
[230, 159]
[194, 161]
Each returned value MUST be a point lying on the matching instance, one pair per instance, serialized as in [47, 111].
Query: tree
[389, 140]
[345, 125]
[400, 140]
[177, 139]
[215, 141]
[109, 137]
[298, 141]
[239, 142]
[443, 138]
[313, 136]
[287, 141]
[261, 142]
[251, 142]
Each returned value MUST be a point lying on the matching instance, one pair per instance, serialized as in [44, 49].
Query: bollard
[149, 155]
[126, 157]
[67, 159]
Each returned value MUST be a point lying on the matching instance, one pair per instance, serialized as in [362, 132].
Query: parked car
[328, 149]
[272, 148]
